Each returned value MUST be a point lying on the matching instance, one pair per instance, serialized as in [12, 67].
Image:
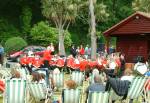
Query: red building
[133, 36]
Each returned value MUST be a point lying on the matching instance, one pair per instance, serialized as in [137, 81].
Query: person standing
[47, 57]
[52, 48]
[73, 51]
[82, 51]
[122, 61]
[86, 51]
[1, 54]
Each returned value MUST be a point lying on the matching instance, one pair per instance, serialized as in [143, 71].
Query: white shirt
[129, 78]
[52, 48]
[141, 67]
[112, 65]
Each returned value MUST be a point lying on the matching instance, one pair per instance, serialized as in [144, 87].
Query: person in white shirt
[141, 67]
[128, 75]
[52, 49]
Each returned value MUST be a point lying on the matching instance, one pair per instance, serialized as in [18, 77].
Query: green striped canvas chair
[15, 91]
[58, 80]
[135, 91]
[23, 72]
[5, 73]
[98, 97]
[72, 96]
[137, 87]
[147, 91]
[38, 91]
[78, 77]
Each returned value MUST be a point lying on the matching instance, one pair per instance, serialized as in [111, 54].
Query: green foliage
[141, 5]
[61, 12]
[43, 34]
[101, 13]
[14, 44]
[7, 30]
[26, 21]
[11, 11]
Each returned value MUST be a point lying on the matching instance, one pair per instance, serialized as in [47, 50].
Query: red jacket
[70, 62]
[30, 60]
[47, 55]
[24, 60]
[92, 64]
[75, 65]
[60, 62]
[37, 62]
[83, 65]
[82, 51]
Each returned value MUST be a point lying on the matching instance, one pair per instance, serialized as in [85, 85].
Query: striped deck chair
[4, 73]
[15, 91]
[58, 80]
[72, 96]
[78, 77]
[23, 72]
[135, 91]
[38, 91]
[45, 72]
[147, 91]
[98, 97]
[137, 87]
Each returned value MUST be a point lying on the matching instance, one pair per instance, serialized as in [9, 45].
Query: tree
[62, 13]
[98, 14]
[26, 21]
[141, 5]
[42, 30]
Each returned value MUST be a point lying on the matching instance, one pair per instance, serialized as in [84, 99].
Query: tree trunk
[61, 47]
[93, 31]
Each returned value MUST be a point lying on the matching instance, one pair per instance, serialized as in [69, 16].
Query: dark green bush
[14, 44]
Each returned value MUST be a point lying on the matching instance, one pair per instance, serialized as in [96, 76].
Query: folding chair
[45, 72]
[78, 77]
[39, 92]
[58, 80]
[4, 73]
[98, 97]
[137, 87]
[135, 90]
[72, 96]
[147, 91]
[15, 91]
[23, 72]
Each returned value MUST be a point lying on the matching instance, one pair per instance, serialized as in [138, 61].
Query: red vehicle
[37, 50]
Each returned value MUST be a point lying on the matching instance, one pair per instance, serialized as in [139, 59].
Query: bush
[43, 34]
[7, 30]
[14, 44]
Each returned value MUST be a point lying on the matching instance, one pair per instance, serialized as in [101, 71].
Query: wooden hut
[133, 36]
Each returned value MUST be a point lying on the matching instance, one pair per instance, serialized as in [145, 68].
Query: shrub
[14, 44]
[43, 34]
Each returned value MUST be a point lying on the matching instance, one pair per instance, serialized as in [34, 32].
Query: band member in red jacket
[83, 64]
[81, 50]
[47, 57]
[24, 61]
[37, 62]
[30, 59]
[70, 61]
[92, 64]
[60, 62]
